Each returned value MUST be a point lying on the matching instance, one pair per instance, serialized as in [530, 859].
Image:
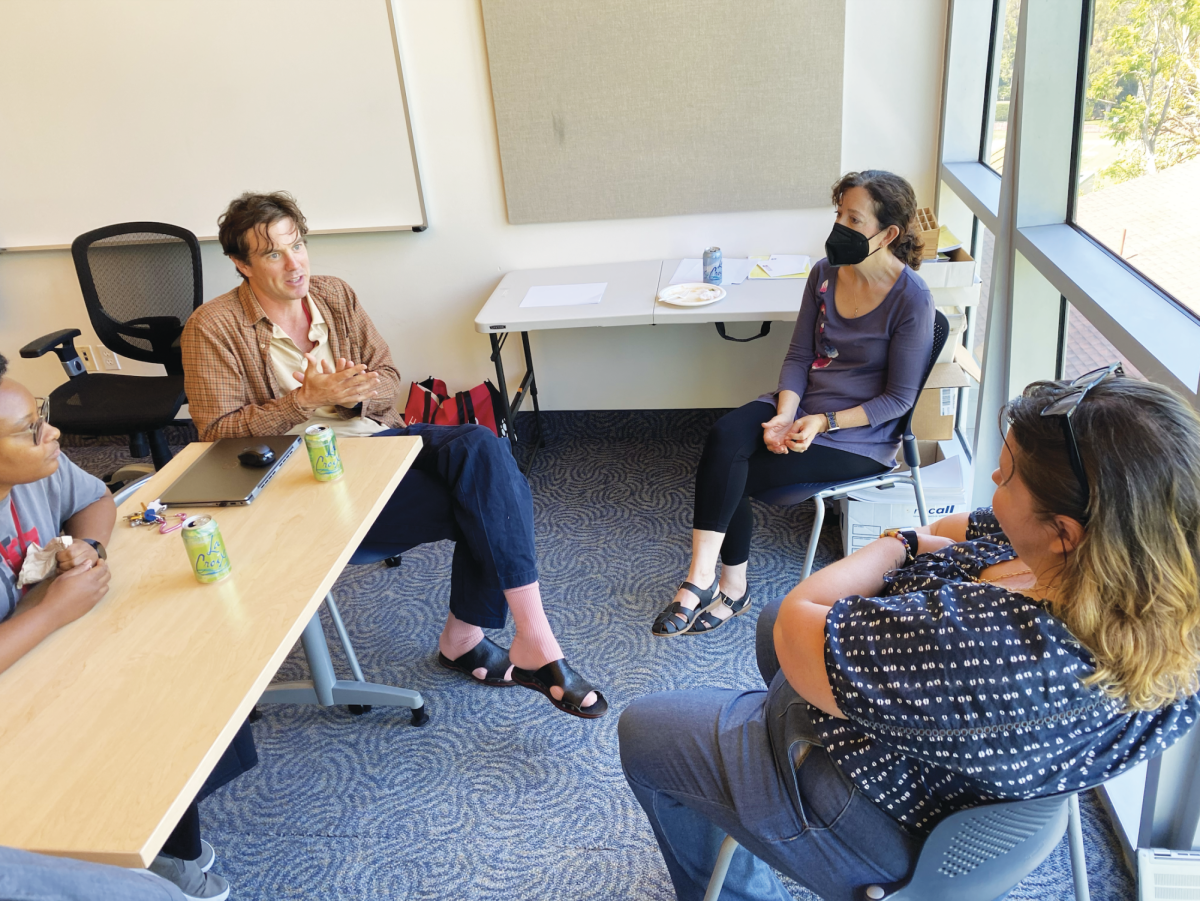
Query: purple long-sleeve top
[880, 361]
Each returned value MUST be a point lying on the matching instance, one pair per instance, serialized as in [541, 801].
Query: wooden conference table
[630, 298]
[112, 724]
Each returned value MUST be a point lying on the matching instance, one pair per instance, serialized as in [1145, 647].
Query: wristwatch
[96, 546]
[831, 418]
[908, 537]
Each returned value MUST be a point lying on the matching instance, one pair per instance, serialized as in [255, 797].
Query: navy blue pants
[464, 487]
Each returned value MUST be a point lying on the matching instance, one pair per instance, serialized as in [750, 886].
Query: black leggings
[736, 464]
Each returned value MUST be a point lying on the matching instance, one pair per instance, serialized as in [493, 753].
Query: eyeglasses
[1065, 407]
[37, 428]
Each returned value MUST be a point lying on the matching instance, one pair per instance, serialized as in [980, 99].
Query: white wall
[423, 290]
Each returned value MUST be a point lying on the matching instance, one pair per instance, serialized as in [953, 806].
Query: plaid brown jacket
[230, 383]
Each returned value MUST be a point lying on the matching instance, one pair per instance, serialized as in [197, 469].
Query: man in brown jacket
[286, 350]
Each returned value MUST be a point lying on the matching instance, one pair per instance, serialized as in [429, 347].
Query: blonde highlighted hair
[1130, 590]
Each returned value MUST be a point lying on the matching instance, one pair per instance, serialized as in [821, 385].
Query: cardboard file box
[967, 296]
[933, 418]
[957, 272]
[865, 514]
[956, 318]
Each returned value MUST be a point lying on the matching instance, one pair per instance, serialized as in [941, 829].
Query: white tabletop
[628, 298]
[754, 300]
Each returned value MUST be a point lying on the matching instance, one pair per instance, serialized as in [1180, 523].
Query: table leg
[527, 388]
[327, 690]
[498, 342]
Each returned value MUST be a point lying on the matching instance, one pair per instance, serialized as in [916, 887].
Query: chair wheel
[393, 562]
[420, 715]
[358, 709]
[255, 715]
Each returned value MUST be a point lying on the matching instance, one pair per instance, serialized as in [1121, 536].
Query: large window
[1084, 348]
[1004, 49]
[1138, 148]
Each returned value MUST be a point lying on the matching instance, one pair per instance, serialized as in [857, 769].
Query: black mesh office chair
[140, 281]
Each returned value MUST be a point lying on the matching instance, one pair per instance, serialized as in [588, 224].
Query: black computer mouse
[258, 456]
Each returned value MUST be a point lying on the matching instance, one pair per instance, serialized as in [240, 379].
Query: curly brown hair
[1130, 590]
[895, 204]
[255, 213]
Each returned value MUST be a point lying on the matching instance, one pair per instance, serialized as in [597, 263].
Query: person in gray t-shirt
[856, 362]
[43, 494]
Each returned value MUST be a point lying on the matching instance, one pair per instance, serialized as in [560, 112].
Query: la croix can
[321, 443]
[712, 266]
[205, 548]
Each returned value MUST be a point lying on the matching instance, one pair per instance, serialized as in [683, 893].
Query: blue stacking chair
[790, 495]
[977, 854]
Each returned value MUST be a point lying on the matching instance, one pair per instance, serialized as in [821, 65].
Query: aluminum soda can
[205, 548]
[712, 266]
[323, 453]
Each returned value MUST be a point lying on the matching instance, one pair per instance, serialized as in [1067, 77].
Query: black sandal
[486, 654]
[575, 688]
[707, 621]
[667, 624]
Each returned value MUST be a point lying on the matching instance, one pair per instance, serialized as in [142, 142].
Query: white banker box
[866, 513]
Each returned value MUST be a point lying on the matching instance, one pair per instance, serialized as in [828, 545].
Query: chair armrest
[912, 456]
[59, 342]
[63, 344]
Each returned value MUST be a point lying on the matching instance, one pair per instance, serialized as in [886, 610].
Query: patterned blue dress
[959, 691]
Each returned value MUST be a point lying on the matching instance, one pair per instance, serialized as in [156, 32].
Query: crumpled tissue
[40, 563]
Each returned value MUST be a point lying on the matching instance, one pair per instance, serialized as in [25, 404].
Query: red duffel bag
[429, 401]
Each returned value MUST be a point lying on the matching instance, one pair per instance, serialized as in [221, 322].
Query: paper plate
[691, 294]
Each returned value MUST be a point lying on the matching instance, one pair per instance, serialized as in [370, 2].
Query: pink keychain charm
[164, 529]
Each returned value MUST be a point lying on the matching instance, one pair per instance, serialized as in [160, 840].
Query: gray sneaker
[207, 856]
[191, 880]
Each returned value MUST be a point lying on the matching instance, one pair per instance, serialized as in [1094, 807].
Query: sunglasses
[1066, 406]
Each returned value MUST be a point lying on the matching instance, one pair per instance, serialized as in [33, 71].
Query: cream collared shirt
[287, 358]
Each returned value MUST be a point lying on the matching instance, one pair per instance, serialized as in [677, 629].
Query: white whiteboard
[165, 110]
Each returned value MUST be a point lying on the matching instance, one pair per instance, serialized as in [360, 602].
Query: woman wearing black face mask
[854, 367]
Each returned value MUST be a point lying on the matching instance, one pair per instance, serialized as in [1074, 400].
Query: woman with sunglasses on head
[44, 495]
[1041, 646]
[858, 357]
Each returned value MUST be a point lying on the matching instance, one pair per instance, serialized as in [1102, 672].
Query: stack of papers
[947, 241]
[733, 272]
[564, 295]
[782, 265]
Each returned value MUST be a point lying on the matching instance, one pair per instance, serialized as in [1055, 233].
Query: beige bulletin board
[627, 108]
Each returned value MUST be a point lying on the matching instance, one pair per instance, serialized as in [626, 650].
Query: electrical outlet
[88, 356]
[109, 359]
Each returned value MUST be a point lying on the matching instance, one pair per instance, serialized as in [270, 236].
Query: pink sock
[458, 637]
[534, 645]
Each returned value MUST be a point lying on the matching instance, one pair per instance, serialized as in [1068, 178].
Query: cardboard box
[957, 272]
[865, 514]
[957, 319]
[933, 418]
[967, 296]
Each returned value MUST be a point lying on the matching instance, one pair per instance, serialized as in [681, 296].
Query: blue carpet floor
[500, 796]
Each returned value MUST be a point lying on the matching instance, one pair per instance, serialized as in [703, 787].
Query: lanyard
[14, 554]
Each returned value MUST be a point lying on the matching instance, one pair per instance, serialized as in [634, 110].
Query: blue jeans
[749, 764]
[464, 487]
[35, 877]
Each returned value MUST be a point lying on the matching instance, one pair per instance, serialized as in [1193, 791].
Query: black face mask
[845, 246]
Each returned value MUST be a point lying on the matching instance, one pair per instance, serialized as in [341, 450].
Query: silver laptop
[219, 479]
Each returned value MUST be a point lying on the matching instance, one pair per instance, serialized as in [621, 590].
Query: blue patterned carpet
[500, 796]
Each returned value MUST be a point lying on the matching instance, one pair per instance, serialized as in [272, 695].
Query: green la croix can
[323, 453]
[206, 548]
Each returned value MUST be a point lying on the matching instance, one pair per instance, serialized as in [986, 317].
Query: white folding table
[629, 299]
